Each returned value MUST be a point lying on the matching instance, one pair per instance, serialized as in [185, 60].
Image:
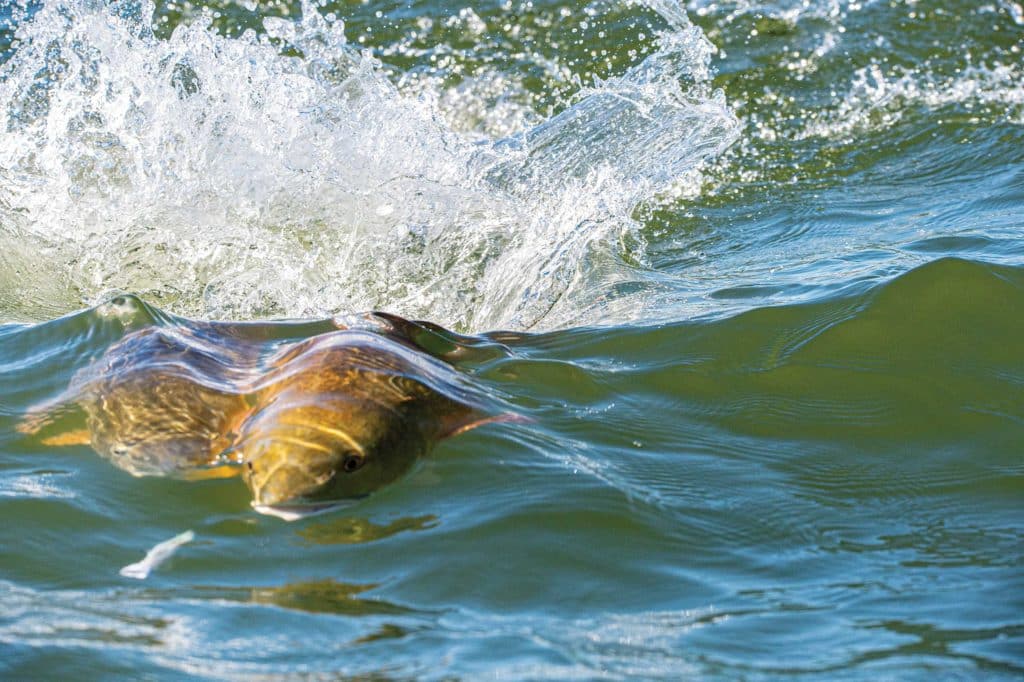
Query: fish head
[307, 453]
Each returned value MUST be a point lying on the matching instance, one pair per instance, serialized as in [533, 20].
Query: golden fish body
[344, 414]
[161, 401]
[332, 417]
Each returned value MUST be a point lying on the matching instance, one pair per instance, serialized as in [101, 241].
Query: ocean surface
[753, 271]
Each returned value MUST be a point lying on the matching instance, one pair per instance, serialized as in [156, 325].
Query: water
[755, 270]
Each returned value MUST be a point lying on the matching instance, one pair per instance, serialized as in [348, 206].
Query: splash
[282, 174]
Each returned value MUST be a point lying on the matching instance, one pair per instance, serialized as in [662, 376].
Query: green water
[777, 419]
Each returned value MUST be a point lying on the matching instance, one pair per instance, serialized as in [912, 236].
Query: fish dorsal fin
[437, 341]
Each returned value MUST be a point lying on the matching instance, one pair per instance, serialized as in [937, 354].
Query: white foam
[219, 177]
[40, 486]
[878, 98]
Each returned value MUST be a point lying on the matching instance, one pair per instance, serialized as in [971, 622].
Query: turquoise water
[753, 270]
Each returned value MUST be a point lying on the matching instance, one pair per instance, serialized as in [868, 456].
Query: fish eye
[352, 462]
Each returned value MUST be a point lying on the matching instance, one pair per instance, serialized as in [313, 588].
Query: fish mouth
[294, 512]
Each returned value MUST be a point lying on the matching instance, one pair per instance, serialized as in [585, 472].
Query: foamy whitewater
[284, 175]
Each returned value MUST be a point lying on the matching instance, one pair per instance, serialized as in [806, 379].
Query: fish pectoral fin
[453, 425]
[214, 471]
[75, 437]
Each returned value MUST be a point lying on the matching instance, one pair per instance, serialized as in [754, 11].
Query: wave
[696, 467]
[921, 364]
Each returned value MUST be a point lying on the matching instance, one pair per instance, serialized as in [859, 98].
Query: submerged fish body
[344, 414]
[306, 424]
[163, 401]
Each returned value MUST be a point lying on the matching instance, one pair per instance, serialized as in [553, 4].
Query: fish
[309, 425]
